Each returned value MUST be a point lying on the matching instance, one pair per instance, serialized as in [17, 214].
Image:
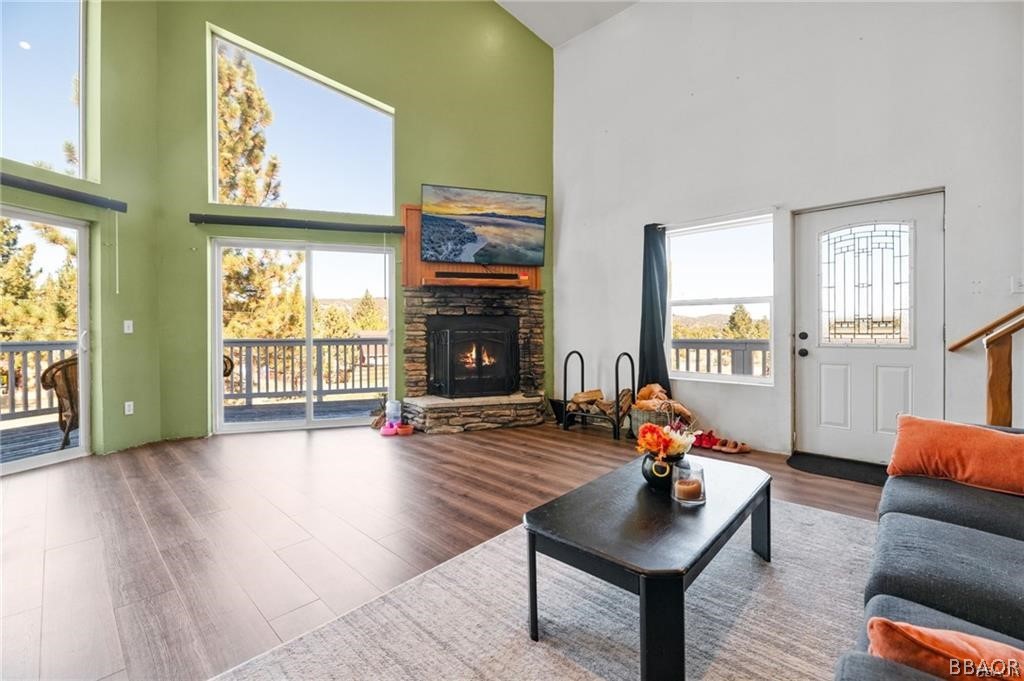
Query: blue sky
[336, 152]
[40, 59]
[339, 274]
[722, 263]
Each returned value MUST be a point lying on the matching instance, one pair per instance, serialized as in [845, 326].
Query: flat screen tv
[480, 226]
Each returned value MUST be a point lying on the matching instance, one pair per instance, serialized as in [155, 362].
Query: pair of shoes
[706, 440]
[731, 447]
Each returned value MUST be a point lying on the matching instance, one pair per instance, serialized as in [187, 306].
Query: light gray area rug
[467, 618]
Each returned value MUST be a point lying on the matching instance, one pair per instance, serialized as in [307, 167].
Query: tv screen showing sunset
[481, 226]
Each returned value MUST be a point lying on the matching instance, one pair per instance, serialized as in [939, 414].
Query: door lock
[802, 352]
[802, 335]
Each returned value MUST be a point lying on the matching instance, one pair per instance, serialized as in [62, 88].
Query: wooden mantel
[416, 272]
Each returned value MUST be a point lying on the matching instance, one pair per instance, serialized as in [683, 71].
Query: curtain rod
[292, 223]
[37, 187]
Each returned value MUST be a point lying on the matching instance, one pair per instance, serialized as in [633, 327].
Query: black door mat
[844, 469]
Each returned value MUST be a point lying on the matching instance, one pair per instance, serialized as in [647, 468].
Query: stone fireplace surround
[434, 414]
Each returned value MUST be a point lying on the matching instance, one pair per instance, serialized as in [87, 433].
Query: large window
[720, 300]
[286, 137]
[41, 84]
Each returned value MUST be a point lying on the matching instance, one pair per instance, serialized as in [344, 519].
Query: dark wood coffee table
[639, 539]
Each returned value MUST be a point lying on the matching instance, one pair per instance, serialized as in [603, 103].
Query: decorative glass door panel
[865, 285]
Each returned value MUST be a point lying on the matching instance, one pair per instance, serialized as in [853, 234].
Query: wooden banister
[999, 357]
[1004, 332]
[994, 324]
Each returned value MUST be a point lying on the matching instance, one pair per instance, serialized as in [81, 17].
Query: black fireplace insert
[472, 355]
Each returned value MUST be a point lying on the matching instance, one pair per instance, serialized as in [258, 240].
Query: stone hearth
[433, 414]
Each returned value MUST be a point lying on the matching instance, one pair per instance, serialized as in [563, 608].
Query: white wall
[677, 112]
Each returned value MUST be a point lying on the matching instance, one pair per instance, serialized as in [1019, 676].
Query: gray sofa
[948, 556]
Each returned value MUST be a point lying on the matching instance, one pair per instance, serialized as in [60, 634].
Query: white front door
[869, 324]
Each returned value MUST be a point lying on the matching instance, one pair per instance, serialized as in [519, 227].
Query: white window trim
[746, 219]
[213, 32]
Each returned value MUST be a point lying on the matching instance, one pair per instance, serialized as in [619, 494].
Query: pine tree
[262, 294]
[742, 325]
[331, 321]
[245, 176]
[368, 315]
[9, 232]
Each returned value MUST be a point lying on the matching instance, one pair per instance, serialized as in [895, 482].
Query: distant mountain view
[738, 324]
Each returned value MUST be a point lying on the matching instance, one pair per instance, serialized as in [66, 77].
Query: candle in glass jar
[689, 489]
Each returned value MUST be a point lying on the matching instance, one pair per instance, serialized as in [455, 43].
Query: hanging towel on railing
[653, 302]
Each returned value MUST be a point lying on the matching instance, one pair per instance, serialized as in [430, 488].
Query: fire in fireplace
[472, 355]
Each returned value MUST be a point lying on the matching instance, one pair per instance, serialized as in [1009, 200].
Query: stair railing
[997, 336]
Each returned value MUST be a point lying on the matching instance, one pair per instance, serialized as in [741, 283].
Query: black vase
[658, 474]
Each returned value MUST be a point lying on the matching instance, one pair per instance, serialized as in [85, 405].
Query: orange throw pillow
[943, 653]
[975, 456]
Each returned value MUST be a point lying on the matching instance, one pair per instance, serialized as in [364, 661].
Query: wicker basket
[659, 417]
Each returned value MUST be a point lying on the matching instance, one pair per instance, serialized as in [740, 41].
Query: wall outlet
[129, 408]
[1016, 284]
[129, 326]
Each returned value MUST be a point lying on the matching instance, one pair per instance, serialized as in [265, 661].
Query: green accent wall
[473, 94]
[124, 367]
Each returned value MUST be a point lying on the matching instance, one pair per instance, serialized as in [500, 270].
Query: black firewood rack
[568, 418]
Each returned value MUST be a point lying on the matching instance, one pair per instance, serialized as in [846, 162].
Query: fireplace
[472, 355]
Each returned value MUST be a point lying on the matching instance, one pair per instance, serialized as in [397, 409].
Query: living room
[575, 263]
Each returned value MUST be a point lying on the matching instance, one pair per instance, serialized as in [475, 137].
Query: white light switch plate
[129, 408]
[1016, 284]
[129, 326]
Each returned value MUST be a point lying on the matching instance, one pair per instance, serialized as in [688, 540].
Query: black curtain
[653, 302]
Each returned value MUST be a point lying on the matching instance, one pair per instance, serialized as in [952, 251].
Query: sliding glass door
[303, 334]
[44, 316]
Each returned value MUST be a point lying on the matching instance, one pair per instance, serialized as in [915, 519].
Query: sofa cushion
[902, 610]
[973, 575]
[976, 456]
[943, 652]
[864, 667]
[952, 502]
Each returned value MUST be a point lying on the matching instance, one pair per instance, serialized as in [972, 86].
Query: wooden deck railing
[998, 340]
[277, 368]
[721, 356]
[22, 363]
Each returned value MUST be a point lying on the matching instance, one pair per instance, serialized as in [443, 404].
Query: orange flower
[653, 440]
[662, 442]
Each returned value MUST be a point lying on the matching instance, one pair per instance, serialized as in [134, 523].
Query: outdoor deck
[42, 438]
[26, 441]
[297, 411]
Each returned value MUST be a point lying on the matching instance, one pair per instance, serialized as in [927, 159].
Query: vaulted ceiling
[558, 22]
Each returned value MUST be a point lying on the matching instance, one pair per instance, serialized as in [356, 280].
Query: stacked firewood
[593, 402]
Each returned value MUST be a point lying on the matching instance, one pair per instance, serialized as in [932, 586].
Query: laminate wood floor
[179, 560]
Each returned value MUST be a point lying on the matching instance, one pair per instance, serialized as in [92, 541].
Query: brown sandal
[721, 443]
[732, 447]
[744, 448]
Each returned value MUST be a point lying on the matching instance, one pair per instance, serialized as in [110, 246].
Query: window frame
[759, 217]
[88, 158]
[214, 32]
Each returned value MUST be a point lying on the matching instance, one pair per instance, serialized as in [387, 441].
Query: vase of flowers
[661, 447]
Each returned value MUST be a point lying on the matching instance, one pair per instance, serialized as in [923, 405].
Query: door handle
[83, 342]
[802, 352]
